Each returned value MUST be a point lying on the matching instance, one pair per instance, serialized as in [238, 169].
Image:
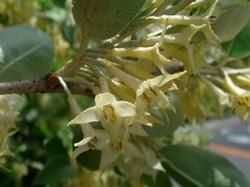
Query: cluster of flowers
[134, 81]
[122, 122]
[140, 91]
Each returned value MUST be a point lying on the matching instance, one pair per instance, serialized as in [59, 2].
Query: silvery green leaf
[231, 22]
[239, 47]
[25, 53]
[229, 3]
[104, 19]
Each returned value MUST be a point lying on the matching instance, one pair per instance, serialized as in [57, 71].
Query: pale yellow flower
[118, 119]
[222, 96]
[191, 134]
[241, 100]
[151, 54]
[152, 92]
[95, 139]
[141, 160]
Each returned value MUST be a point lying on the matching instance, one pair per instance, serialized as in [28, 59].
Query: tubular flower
[141, 160]
[129, 80]
[222, 96]
[151, 92]
[151, 53]
[182, 38]
[95, 139]
[242, 106]
[116, 117]
[203, 22]
[245, 80]
[241, 102]
[121, 90]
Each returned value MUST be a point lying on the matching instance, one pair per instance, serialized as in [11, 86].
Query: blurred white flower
[7, 119]
[191, 134]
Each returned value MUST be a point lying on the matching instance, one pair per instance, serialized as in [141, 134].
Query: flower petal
[80, 150]
[137, 130]
[246, 98]
[109, 155]
[83, 142]
[132, 151]
[87, 116]
[104, 99]
[125, 109]
[164, 79]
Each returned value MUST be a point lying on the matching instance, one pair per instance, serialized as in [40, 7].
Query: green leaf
[162, 179]
[57, 169]
[231, 22]
[90, 159]
[54, 148]
[59, 3]
[5, 178]
[202, 168]
[239, 47]
[25, 53]
[179, 177]
[229, 3]
[104, 19]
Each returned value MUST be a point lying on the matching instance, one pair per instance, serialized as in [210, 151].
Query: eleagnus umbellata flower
[152, 92]
[141, 160]
[204, 22]
[222, 96]
[154, 63]
[191, 134]
[131, 81]
[121, 90]
[245, 80]
[93, 139]
[116, 118]
[184, 37]
[241, 105]
[241, 99]
[97, 139]
[151, 54]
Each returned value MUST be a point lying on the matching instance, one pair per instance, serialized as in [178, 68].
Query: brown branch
[47, 84]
